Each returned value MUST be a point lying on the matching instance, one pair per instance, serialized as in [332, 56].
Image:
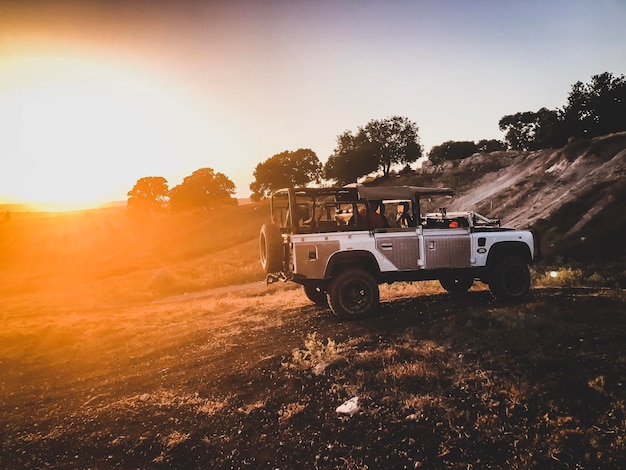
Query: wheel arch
[501, 250]
[362, 259]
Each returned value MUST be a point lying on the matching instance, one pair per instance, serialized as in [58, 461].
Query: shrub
[315, 353]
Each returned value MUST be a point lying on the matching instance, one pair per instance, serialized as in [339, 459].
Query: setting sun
[81, 132]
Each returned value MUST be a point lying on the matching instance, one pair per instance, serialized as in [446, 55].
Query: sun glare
[81, 133]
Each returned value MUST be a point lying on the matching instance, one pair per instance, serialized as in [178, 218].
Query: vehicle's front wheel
[352, 294]
[510, 279]
[316, 294]
[456, 284]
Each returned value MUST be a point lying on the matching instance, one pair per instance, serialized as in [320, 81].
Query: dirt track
[211, 382]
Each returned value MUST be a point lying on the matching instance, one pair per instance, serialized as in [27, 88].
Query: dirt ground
[252, 378]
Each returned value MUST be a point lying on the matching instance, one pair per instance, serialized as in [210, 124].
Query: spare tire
[271, 248]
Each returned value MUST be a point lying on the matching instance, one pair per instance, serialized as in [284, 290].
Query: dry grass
[103, 256]
[104, 363]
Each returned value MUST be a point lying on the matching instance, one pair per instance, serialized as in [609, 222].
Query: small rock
[350, 407]
[144, 397]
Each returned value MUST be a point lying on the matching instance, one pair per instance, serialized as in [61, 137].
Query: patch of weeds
[211, 407]
[175, 438]
[597, 383]
[166, 399]
[289, 411]
[578, 274]
[316, 354]
[250, 407]
[407, 371]
[561, 277]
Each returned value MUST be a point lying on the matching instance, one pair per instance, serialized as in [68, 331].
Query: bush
[316, 354]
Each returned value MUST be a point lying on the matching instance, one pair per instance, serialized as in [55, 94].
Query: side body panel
[310, 259]
[400, 251]
[447, 248]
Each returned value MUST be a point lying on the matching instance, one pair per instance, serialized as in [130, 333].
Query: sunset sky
[97, 94]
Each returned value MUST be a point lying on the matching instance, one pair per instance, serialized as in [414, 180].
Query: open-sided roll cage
[351, 194]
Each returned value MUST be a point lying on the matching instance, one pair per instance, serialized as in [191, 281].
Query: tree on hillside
[379, 144]
[351, 159]
[285, 169]
[452, 150]
[594, 109]
[149, 194]
[395, 140]
[534, 130]
[204, 188]
[597, 108]
[490, 145]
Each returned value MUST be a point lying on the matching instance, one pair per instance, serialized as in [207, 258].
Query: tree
[149, 194]
[518, 129]
[549, 129]
[452, 150]
[353, 158]
[491, 145]
[378, 145]
[285, 169]
[534, 130]
[597, 108]
[593, 109]
[394, 140]
[203, 189]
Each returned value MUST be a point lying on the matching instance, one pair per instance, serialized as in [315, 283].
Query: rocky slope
[573, 196]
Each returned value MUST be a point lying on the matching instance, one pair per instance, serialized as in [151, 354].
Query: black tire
[457, 285]
[510, 280]
[316, 294]
[352, 294]
[271, 248]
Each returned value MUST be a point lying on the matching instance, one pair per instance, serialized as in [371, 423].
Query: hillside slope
[106, 256]
[573, 196]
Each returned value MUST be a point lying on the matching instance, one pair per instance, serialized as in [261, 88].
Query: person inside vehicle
[403, 217]
[459, 222]
[371, 216]
[303, 215]
[381, 212]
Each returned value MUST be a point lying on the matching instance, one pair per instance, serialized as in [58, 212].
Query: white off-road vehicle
[341, 243]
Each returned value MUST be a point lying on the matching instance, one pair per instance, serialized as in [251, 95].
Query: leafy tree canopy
[378, 145]
[533, 130]
[286, 169]
[490, 145]
[597, 108]
[593, 109]
[352, 159]
[452, 150]
[204, 188]
[395, 140]
[149, 194]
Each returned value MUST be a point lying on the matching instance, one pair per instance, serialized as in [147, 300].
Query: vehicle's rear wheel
[352, 294]
[510, 279]
[456, 284]
[316, 294]
[271, 248]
